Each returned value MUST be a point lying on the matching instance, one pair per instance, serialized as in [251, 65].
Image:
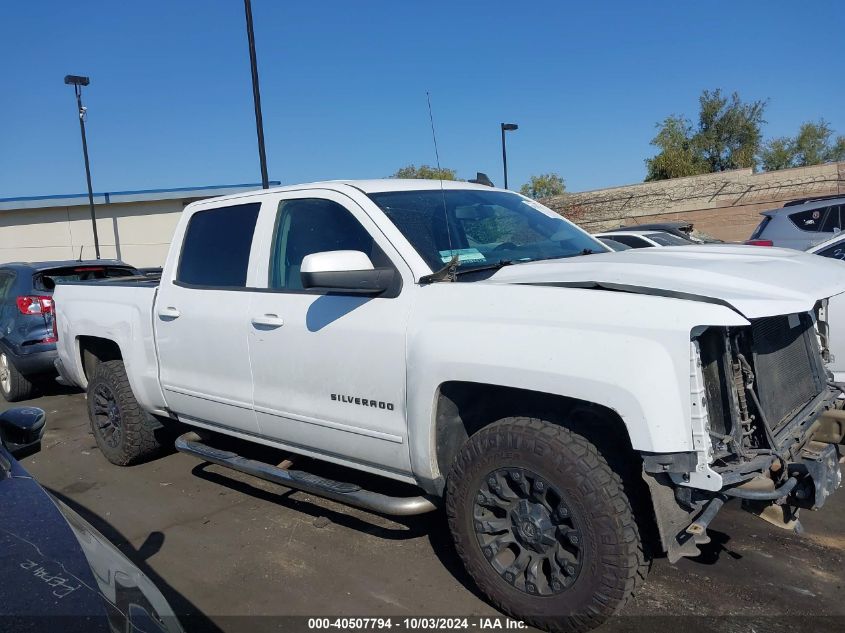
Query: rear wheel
[543, 525]
[124, 432]
[13, 384]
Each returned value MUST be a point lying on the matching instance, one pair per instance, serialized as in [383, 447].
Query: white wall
[137, 232]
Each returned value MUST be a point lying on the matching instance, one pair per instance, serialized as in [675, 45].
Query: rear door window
[215, 250]
[810, 220]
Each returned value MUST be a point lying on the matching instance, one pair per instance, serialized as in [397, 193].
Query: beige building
[134, 226]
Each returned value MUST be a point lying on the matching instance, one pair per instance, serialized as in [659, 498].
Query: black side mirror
[21, 430]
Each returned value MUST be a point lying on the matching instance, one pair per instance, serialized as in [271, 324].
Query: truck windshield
[482, 227]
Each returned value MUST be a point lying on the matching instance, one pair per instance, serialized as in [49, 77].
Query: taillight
[759, 242]
[37, 304]
[55, 337]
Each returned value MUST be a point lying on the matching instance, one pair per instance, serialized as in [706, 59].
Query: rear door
[201, 318]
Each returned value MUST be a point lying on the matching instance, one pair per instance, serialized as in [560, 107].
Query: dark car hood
[58, 573]
[42, 568]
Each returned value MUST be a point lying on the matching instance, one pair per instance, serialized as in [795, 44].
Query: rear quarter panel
[118, 313]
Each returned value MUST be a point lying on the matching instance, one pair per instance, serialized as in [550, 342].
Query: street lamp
[506, 127]
[256, 95]
[77, 82]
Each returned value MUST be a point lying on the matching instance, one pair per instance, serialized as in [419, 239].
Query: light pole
[256, 96]
[506, 127]
[77, 82]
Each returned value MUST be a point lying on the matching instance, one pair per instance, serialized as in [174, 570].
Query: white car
[644, 239]
[561, 402]
[834, 248]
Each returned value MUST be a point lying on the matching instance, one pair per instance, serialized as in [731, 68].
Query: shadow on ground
[432, 525]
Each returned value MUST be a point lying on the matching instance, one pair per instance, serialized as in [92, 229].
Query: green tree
[778, 153]
[543, 186]
[426, 172]
[813, 145]
[727, 136]
[678, 155]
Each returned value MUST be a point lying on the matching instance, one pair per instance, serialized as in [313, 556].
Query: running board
[350, 494]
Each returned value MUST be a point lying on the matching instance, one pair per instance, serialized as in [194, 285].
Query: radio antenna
[453, 264]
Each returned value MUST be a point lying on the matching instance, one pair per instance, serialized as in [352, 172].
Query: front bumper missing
[808, 481]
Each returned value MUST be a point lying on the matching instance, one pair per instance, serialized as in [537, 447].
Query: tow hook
[700, 525]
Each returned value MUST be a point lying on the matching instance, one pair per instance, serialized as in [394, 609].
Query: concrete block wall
[725, 205]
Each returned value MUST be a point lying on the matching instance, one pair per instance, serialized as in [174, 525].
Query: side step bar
[350, 494]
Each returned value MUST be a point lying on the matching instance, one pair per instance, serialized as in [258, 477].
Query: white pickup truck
[575, 411]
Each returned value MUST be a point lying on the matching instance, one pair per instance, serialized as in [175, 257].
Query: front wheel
[124, 432]
[543, 525]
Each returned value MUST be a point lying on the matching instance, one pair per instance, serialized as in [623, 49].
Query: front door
[328, 369]
[201, 318]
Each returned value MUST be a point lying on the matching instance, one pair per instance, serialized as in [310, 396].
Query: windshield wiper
[450, 271]
[496, 266]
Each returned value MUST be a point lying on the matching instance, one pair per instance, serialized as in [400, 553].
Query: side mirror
[21, 430]
[344, 271]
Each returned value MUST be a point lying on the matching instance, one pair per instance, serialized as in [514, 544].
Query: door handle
[169, 313]
[268, 320]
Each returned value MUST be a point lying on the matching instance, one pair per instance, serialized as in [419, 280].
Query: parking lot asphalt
[234, 553]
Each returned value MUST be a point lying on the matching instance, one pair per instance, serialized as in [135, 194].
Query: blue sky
[343, 85]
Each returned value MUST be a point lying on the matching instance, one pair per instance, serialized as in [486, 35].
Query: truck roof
[366, 186]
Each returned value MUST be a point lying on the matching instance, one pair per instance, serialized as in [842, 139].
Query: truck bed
[119, 311]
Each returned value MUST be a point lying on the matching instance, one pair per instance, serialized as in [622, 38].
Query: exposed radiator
[786, 365]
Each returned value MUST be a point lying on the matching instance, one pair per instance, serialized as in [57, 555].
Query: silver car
[801, 223]
[642, 239]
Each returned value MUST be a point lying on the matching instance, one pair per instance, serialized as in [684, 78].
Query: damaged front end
[767, 426]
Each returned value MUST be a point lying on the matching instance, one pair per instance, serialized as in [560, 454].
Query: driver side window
[315, 225]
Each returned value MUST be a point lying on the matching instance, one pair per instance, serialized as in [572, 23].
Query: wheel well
[463, 408]
[94, 350]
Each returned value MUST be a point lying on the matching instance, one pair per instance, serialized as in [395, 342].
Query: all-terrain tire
[124, 432]
[612, 563]
[14, 385]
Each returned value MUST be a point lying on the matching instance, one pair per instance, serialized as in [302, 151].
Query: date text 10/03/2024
[416, 624]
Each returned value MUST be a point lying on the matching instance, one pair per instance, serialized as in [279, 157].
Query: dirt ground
[233, 553]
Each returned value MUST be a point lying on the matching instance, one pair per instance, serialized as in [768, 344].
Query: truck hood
[752, 280]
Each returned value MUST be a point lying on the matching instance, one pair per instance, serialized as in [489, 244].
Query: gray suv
[801, 223]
